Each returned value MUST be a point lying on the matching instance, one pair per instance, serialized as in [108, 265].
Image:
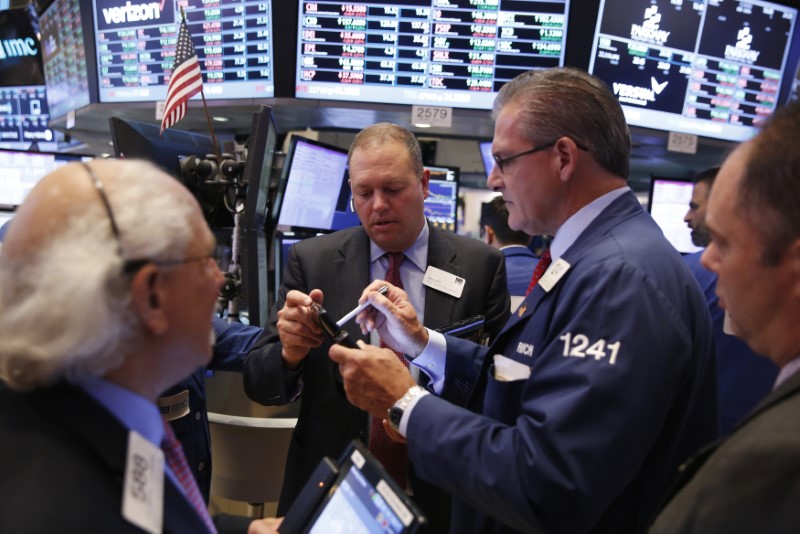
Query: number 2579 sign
[433, 115]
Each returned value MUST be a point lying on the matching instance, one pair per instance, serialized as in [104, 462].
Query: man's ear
[148, 298]
[567, 153]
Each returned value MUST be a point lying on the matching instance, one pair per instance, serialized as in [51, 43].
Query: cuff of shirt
[431, 360]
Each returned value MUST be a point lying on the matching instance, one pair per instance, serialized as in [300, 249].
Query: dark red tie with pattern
[391, 454]
[173, 454]
[541, 267]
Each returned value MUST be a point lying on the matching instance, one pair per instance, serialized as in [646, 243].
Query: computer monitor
[254, 302]
[133, 139]
[282, 243]
[21, 171]
[454, 54]
[136, 48]
[24, 118]
[668, 203]
[486, 156]
[68, 56]
[714, 68]
[314, 195]
[258, 167]
[441, 206]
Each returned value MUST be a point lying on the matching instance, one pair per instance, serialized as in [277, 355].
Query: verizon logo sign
[132, 13]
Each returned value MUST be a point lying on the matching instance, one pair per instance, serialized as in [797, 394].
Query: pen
[382, 290]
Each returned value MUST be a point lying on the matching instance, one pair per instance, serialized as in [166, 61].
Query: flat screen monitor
[425, 52]
[258, 167]
[441, 206]
[282, 243]
[65, 50]
[486, 156]
[668, 203]
[314, 194]
[23, 170]
[134, 139]
[253, 261]
[24, 114]
[136, 48]
[712, 68]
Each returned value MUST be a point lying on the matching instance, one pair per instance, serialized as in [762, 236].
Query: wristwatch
[395, 414]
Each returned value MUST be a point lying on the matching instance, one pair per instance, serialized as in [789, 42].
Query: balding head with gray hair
[64, 290]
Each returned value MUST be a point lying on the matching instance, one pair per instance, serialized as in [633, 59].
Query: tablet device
[362, 498]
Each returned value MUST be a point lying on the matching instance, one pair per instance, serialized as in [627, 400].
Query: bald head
[69, 191]
[69, 306]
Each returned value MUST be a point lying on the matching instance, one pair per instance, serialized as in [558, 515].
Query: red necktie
[173, 454]
[541, 267]
[391, 454]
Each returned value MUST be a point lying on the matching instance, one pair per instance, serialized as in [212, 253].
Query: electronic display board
[441, 205]
[711, 67]
[136, 47]
[64, 55]
[456, 53]
[23, 98]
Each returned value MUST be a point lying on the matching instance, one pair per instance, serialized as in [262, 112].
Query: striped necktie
[391, 454]
[541, 267]
[173, 454]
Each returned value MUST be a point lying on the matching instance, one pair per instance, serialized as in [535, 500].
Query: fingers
[268, 525]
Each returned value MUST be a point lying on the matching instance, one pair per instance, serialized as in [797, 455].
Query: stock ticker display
[710, 68]
[455, 53]
[136, 47]
[23, 98]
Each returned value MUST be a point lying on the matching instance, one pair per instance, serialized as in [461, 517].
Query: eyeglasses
[131, 266]
[501, 162]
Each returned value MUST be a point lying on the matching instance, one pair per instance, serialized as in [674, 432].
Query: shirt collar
[132, 410]
[417, 253]
[580, 221]
[787, 371]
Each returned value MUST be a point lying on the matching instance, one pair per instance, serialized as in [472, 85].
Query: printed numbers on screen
[580, 346]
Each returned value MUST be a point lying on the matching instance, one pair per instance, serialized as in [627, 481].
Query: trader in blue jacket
[520, 260]
[603, 381]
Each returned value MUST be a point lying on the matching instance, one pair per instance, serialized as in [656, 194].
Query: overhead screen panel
[136, 47]
[456, 53]
[23, 98]
[710, 68]
[64, 47]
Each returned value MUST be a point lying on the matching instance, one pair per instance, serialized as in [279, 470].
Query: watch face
[395, 415]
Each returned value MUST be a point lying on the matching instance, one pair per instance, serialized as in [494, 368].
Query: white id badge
[443, 281]
[143, 489]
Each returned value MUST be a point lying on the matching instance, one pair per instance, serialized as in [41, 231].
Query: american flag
[186, 80]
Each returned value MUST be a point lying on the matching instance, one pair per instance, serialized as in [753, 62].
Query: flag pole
[208, 116]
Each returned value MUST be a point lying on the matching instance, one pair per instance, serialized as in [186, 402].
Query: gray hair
[569, 102]
[383, 133]
[66, 306]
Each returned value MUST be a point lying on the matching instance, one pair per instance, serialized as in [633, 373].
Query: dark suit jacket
[747, 482]
[62, 459]
[338, 264]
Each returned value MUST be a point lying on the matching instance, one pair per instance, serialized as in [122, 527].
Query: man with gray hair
[107, 286]
[600, 384]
